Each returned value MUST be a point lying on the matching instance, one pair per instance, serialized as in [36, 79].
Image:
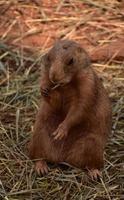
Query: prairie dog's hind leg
[41, 145]
[36, 143]
[87, 153]
[93, 156]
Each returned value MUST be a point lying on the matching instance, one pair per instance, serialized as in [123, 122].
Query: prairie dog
[74, 118]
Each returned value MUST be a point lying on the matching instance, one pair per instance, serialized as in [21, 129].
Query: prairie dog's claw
[95, 174]
[41, 167]
[45, 92]
[60, 133]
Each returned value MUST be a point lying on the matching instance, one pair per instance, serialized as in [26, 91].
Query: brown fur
[77, 111]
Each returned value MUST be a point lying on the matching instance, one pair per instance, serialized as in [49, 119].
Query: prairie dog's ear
[83, 57]
[45, 60]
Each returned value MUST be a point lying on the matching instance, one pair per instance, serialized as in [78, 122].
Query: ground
[27, 30]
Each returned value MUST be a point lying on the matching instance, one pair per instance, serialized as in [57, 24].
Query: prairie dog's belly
[68, 97]
[55, 150]
[60, 99]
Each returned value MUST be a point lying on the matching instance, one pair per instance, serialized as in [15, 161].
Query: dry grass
[19, 74]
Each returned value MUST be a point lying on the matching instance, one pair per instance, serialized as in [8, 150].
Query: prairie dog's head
[64, 60]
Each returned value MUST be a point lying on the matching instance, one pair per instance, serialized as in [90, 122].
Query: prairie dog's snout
[56, 72]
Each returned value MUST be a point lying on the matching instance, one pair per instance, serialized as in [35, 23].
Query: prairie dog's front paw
[45, 92]
[60, 132]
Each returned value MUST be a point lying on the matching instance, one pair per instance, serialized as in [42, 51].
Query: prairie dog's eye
[48, 58]
[70, 62]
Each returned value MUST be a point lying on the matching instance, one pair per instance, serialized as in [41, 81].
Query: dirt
[35, 25]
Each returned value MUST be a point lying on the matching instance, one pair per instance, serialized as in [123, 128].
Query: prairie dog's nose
[53, 78]
[56, 73]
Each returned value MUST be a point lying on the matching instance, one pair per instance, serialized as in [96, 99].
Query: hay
[19, 86]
